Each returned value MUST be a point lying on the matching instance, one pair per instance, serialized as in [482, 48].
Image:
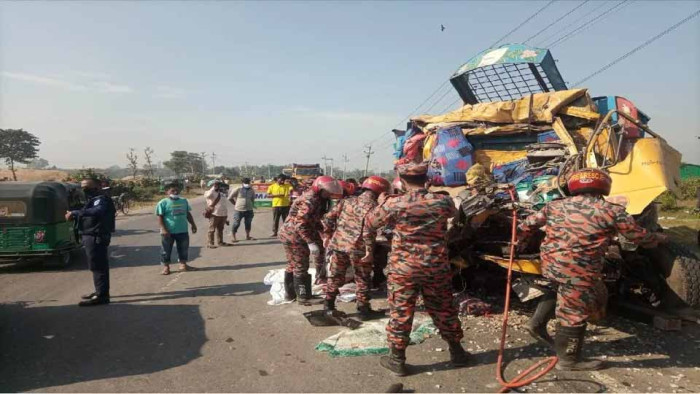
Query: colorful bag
[451, 158]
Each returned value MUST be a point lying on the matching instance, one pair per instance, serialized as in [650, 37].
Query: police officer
[418, 264]
[578, 231]
[95, 225]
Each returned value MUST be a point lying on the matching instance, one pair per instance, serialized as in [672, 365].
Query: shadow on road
[237, 267]
[128, 232]
[137, 256]
[233, 289]
[58, 345]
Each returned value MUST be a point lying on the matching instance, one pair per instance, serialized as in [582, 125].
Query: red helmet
[589, 180]
[348, 187]
[398, 185]
[376, 184]
[329, 184]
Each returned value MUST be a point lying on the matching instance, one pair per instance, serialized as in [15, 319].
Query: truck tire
[681, 269]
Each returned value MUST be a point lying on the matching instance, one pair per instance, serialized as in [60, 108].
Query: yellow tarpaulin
[488, 158]
[536, 108]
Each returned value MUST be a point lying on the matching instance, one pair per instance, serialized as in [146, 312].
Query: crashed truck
[524, 128]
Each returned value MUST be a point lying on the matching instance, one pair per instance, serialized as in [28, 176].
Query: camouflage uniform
[418, 262]
[300, 229]
[578, 231]
[344, 225]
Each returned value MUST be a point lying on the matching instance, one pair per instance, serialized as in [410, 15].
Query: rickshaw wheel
[125, 207]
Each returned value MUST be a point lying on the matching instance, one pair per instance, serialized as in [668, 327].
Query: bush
[689, 189]
[668, 201]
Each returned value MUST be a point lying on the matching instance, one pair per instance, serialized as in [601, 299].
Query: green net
[371, 338]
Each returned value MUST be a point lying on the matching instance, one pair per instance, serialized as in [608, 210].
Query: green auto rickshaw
[33, 224]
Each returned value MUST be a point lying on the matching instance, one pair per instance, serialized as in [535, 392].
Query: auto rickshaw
[33, 224]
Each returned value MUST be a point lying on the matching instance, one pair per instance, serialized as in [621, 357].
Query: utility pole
[369, 153]
[325, 165]
[213, 163]
[269, 172]
[345, 165]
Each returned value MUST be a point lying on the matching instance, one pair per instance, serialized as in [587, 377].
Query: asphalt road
[211, 330]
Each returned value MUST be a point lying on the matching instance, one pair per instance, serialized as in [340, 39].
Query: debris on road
[371, 338]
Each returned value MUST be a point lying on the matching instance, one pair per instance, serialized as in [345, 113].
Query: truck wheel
[681, 269]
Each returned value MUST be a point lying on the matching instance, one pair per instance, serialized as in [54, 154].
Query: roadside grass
[682, 224]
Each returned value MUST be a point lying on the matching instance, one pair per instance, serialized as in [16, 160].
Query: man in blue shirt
[173, 214]
[95, 225]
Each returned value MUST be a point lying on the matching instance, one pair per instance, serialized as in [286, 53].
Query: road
[211, 330]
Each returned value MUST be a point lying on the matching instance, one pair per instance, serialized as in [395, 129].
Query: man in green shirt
[173, 214]
[280, 192]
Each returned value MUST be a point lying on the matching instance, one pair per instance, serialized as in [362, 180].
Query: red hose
[522, 379]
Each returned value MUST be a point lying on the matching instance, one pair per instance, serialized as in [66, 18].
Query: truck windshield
[308, 171]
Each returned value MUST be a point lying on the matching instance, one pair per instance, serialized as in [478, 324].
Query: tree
[133, 159]
[38, 164]
[148, 167]
[17, 146]
[179, 162]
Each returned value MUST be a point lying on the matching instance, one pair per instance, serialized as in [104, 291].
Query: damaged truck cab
[528, 130]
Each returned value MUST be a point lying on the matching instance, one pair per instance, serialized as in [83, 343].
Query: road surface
[211, 330]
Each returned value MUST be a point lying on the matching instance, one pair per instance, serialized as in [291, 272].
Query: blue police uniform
[96, 224]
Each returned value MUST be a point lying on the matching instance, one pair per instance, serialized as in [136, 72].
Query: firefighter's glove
[368, 258]
[314, 249]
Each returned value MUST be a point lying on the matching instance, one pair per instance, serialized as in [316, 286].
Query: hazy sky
[293, 81]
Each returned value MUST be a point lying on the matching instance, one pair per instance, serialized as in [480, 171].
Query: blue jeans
[183, 245]
[247, 217]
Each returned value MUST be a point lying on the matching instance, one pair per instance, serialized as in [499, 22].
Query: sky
[281, 82]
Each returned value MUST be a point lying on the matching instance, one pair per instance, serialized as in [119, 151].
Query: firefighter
[343, 232]
[300, 235]
[418, 264]
[578, 231]
[398, 186]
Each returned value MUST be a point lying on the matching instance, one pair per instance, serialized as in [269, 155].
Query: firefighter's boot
[458, 356]
[537, 326]
[568, 343]
[365, 312]
[395, 361]
[329, 304]
[303, 293]
[290, 293]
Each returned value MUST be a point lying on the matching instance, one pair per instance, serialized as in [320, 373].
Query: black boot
[289, 293]
[537, 326]
[302, 285]
[458, 356]
[568, 343]
[95, 300]
[329, 304]
[395, 361]
[88, 296]
[300, 289]
[365, 312]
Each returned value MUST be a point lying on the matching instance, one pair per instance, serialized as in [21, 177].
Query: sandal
[166, 270]
[185, 267]
[250, 239]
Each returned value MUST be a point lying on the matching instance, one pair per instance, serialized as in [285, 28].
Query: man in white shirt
[243, 200]
[216, 206]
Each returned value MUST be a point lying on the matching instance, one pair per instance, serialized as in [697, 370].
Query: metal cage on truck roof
[507, 73]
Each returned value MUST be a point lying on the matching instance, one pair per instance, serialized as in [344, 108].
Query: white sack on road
[275, 279]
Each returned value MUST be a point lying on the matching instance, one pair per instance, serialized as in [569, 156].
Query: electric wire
[556, 21]
[575, 21]
[640, 47]
[592, 24]
[587, 25]
[522, 23]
